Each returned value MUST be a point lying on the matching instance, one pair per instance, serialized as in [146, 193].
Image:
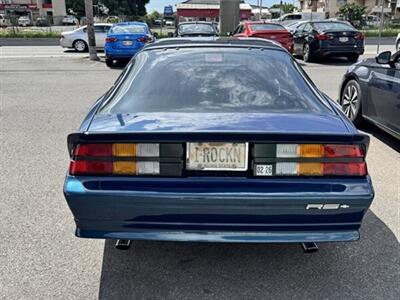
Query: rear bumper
[338, 51]
[120, 53]
[231, 209]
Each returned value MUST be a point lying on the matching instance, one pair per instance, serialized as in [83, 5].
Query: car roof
[195, 22]
[193, 42]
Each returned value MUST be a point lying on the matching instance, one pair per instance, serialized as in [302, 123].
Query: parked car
[24, 21]
[190, 29]
[371, 91]
[301, 16]
[169, 23]
[4, 20]
[398, 42]
[328, 39]
[69, 20]
[217, 140]
[265, 30]
[42, 22]
[292, 27]
[78, 39]
[124, 40]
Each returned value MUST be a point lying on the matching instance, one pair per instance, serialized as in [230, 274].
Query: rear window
[213, 80]
[261, 27]
[128, 29]
[196, 28]
[324, 26]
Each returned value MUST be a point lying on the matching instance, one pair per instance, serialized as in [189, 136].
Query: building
[54, 10]
[331, 7]
[206, 10]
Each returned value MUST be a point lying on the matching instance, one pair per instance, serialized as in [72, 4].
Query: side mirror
[383, 58]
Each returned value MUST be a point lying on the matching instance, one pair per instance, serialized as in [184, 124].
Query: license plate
[217, 156]
[343, 39]
[127, 43]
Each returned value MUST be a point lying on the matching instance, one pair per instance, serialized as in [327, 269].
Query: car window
[196, 28]
[323, 26]
[131, 28]
[300, 28]
[98, 28]
[266, 26]
[236, 30]
[214, 80]
[307, 28]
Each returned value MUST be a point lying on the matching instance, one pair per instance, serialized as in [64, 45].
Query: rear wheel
[80, 46]
[353, 57]
[351, 101]
[307, 56]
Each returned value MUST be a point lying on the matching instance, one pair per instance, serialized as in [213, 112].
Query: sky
[159, 4]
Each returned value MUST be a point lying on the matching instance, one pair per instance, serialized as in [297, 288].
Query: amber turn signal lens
[124, 167]
[124, 150]
[310, 150]
[312, 169]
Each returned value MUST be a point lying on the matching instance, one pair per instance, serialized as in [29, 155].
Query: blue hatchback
[124, 40]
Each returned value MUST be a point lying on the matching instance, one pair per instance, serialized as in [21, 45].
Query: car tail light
[144, 39]
[323, 37]
[115, 159]
[111, 39]
[359, 36]
[309, 160]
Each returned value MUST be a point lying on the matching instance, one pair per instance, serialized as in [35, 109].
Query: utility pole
[90, 30]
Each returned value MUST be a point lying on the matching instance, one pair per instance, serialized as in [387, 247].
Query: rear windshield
[213, 80]
[128, 29]
[196, 28]
[324, 26]
[261, 27]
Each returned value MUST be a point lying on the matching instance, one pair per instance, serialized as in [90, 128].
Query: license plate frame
[127, 43]
[192, 165]
[343, 39]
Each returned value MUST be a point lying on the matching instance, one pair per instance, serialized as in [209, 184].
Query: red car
[270, 31]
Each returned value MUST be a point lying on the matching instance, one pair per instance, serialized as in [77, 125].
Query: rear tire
[307, 56]
[353, 57]
[109, 62]
[80, 46]
[351, 102]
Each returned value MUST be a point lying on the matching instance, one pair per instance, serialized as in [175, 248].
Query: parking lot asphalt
[45, 93]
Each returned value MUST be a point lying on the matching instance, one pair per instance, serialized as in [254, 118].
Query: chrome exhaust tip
[123, 244]
[309, 247]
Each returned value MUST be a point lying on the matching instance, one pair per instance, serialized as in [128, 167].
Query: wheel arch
[349, 77]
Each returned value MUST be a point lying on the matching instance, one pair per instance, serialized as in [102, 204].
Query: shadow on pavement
[330, 61]
[368, 269]
[382, 135]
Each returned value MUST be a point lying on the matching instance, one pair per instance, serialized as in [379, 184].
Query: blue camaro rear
[124, 40]
[221, 140]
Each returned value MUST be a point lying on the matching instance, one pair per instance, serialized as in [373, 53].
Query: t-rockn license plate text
[217, 156]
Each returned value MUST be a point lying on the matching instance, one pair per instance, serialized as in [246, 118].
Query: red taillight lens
[349, 169]
[111, 40]
[359, 36]
[323, 37]
[343, 151]
[93, 150]
[83, 167]
[143, 39]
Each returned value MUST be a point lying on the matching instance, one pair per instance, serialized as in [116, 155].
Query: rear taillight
[116, 159]
[359, 36]
[309, 160]
[111, 40]
[143, 39]
[323, 37]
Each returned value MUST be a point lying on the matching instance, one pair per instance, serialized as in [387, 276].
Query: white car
[169, 23]
[398, 42]
[24, 21]
[70, 20]
[78, 39]
[4, 21]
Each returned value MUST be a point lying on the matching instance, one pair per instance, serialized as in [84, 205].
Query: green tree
[286, 7]
[352, 12]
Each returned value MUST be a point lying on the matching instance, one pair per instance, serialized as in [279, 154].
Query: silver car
[78, 39]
